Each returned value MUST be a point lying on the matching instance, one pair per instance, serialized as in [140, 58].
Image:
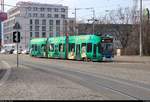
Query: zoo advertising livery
[82, 47]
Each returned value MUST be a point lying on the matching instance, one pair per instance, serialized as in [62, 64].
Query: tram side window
[32, 47]
[38, 47]
[83, 45]
[99, 47]
[89, 47]
[35, 47]
[51, 47]
[56, 48]
[60, 47]
[71, 47]
[64, 47]
[43, 47]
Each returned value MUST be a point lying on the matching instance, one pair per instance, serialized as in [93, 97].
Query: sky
[100, 6]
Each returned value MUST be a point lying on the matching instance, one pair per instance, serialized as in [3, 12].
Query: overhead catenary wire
[69, 9]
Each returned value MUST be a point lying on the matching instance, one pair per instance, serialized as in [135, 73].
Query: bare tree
[122, 17]
[146, 35]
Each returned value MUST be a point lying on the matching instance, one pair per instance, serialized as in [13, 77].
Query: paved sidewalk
[132, 59]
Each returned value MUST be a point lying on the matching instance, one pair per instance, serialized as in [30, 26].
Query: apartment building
[37, 20]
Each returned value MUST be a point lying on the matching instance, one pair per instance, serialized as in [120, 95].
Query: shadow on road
[2, 72]
[32, 76]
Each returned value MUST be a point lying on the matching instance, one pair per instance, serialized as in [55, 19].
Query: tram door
[107, 50]
[94, 52]
[56, 53]
[78, 51]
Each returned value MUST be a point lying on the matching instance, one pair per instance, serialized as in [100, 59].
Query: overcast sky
[100, 6]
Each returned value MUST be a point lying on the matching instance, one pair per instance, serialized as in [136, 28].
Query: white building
[37, 20]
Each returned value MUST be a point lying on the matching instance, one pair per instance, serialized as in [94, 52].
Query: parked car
[25, 52]
[15, 52]
[11, 51]
[3, 51]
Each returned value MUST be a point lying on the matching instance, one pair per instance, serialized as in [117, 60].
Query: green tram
[73, 47]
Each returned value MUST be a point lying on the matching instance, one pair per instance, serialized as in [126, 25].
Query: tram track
[109, 87]
[101, 85]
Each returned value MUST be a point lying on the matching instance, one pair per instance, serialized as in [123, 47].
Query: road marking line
[6, 76]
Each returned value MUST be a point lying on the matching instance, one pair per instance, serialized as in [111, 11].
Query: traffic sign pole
[17, 51]
[17, 56]
[17, 39]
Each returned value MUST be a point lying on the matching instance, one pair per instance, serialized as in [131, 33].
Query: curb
[143, 62]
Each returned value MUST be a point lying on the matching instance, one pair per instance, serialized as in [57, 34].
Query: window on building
[49, 9]
[56, 15]
[35, 14]
[5, 24]
[44, 22]
[31, 35]
[29, 14]
[36, 22]
[42, 9]
[58, 28]
[30, 28]
[62, 16]
[71, 21]
[31, 21]
[50, 22]
[89, 47]
[50, 28]
[43, 28]
[51, 34]
[17, 15]
[56, 9]
[42, 15]
[57, 33]
[57, 22]
[43, 34]
[36, 34]
[71, 28]
[37, 28]
[29, 8]
[62, 9]
[35, 8]
[49, 15]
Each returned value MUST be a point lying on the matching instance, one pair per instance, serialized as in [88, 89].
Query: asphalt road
[38, 78]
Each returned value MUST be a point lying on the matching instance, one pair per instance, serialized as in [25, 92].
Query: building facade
[37, 20]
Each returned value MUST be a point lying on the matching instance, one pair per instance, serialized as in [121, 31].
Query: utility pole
[76, 21]
[76, 30]
[93, 19]
[141, 47]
